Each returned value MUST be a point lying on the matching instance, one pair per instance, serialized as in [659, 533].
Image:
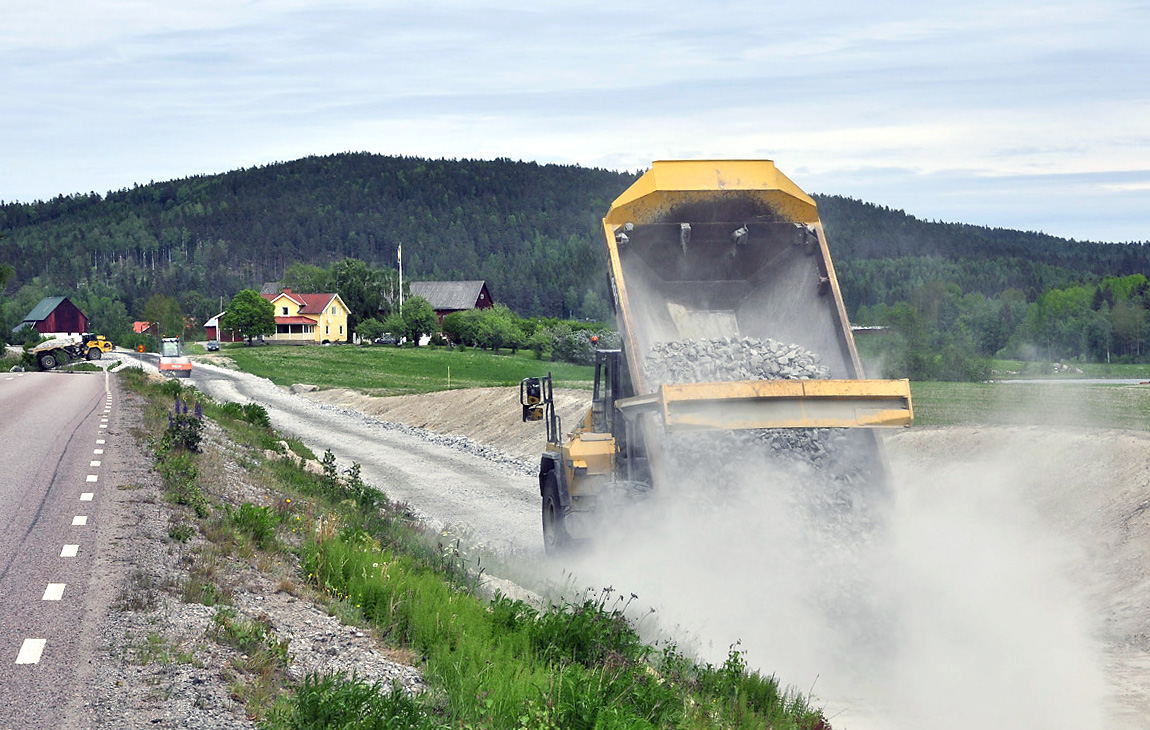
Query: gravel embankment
[161, 667]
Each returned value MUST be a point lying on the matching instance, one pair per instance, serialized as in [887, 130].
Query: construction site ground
[1001, 506]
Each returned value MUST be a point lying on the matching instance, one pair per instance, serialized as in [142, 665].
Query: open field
[1061, 403]
[398, 371]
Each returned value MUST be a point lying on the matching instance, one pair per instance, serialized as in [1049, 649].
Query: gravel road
[450, 482]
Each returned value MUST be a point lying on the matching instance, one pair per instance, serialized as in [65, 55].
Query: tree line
[942, 333]
[175, 252]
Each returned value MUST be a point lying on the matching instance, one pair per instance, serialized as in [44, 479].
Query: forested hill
[532, 231]
[884, 255]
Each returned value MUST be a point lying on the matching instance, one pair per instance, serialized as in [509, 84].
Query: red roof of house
[308, 303]
[294, 320]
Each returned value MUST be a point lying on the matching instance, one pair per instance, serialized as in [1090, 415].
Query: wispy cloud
[106, 94]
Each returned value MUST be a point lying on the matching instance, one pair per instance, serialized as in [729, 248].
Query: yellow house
[309, 317]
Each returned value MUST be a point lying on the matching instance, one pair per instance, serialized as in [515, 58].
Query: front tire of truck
[555, 537]
[94, 353]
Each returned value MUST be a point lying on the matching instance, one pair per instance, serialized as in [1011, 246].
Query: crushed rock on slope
[159, 666]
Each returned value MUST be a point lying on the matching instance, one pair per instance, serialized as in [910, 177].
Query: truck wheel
[47, 360]
[555, 537]
[94, 353]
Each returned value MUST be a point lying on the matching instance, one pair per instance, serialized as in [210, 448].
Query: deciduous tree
[249, 314]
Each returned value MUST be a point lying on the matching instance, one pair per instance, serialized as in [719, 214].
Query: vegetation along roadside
[487, 662]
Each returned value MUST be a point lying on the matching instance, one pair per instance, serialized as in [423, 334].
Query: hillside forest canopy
[952, 294]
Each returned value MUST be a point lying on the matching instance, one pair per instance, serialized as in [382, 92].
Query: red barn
[55, 315]
[453, 296]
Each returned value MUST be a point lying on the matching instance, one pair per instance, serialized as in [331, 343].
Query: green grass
[397, 371]
[1037, 404]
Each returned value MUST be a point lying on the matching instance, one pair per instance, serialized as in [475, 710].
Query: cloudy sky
[1030, 115]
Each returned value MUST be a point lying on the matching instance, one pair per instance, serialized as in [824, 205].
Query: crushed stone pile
[826, 461]
[731, 358]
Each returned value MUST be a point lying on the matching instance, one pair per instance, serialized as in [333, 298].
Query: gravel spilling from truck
[827, 462]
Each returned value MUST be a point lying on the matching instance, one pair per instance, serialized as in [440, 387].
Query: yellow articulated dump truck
[732, 323]
[58, 351]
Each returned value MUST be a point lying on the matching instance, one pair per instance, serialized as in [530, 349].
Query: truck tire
[555, 537]
[94, 353]
[47, 360]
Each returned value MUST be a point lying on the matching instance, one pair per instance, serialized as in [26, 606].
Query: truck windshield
[170, 349]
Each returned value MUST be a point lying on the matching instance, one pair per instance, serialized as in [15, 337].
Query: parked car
[213, 345]
[386, 340]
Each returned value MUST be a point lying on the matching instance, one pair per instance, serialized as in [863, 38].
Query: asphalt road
[58, 462]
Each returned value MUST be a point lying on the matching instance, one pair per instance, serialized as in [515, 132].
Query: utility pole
[399, 255]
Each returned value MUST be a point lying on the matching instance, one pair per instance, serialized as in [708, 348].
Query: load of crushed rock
[731, 458]
[730, 358]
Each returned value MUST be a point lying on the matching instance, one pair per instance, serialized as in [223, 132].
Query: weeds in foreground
[139, 594]
[502, 663]
[264, 658]
[259, 523]
[338, 703]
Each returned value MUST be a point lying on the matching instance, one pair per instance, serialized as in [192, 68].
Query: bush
[369, 329]
[337, 703]
[256, 415]
[185, 430]
[259, 523]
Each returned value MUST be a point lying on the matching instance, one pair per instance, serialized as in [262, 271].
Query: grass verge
[489, 663]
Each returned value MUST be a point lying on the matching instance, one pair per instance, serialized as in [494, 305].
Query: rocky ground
[161, 666]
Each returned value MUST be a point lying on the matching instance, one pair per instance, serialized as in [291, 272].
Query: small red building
[453, 296]
[55, 315]
[212, 331]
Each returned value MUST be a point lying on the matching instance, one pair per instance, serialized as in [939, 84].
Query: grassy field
[398, 371]
[1059, 403]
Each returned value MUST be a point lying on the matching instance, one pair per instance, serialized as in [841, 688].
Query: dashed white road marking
[93, 478]
[100, 441]
[98, 452]
[86, 497]
[94, 463]
[54, 592]
[79, 520]
[31, 651]
[70, 551]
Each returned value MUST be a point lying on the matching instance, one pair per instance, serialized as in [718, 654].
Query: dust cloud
[942, 600]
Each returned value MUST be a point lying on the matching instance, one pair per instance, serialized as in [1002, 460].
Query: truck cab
[173, 362]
